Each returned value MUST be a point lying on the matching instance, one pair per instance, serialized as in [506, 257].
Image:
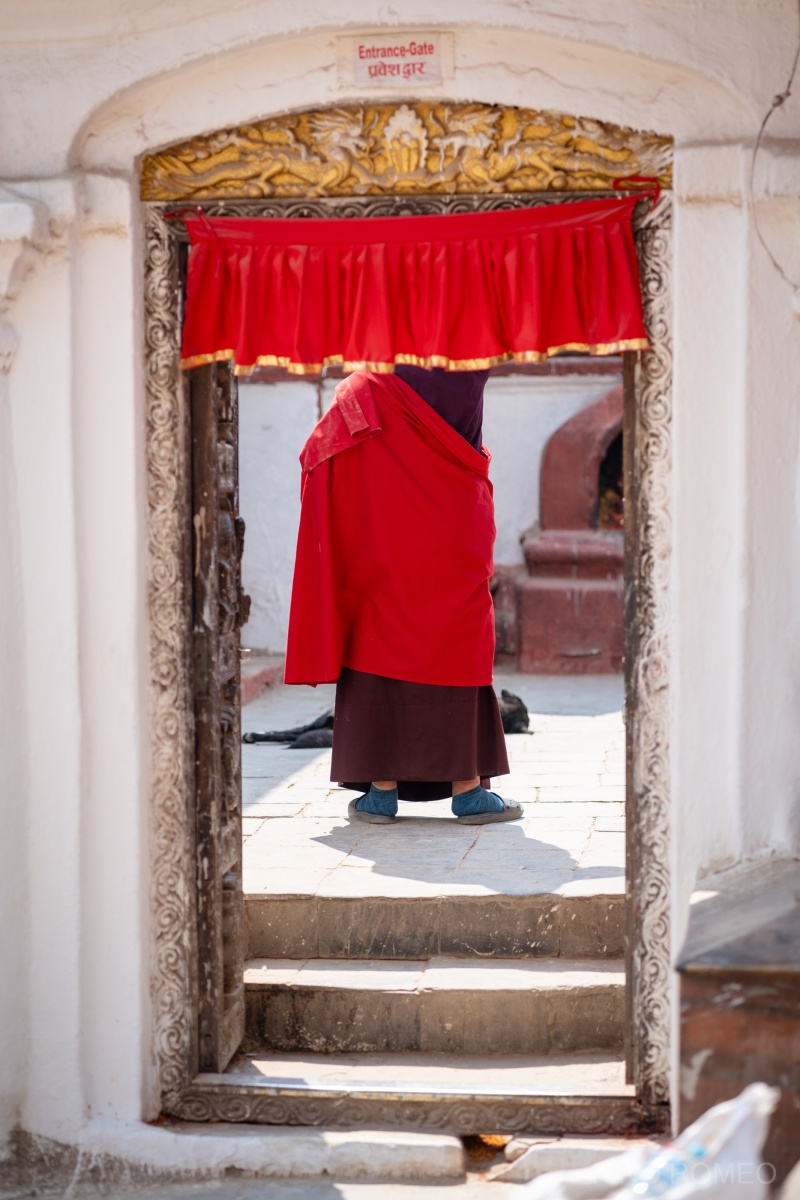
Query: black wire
[777, 101]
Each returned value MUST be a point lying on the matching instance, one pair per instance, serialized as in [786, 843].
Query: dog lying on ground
[513, 713]
[318, 735]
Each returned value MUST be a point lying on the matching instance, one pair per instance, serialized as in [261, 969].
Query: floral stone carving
[422, 147]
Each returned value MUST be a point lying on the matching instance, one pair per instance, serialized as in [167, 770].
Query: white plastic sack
[716, 1158]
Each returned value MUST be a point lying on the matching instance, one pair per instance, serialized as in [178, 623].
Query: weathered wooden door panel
[219, 609]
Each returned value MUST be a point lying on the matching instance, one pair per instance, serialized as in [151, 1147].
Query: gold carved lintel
[415, 148]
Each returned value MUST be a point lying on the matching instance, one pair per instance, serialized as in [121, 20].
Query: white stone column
[770, 795]
[709, 455]
[708, 575]
[108, 412]
[18, 226]
[46, 630]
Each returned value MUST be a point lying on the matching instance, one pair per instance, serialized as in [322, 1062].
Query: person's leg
[465, 785]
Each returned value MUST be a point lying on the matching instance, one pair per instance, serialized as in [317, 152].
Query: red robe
[394, 550]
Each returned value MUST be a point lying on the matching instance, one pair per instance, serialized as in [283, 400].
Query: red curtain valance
[461, 291]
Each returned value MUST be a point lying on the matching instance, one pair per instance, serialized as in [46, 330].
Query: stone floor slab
[586, 1074]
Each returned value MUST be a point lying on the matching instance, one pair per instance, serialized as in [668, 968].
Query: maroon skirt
[423, 735]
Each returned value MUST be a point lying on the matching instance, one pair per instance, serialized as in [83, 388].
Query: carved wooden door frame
[219, 609]
[208, 1096]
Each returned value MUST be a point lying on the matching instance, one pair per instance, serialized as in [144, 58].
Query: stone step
[384, 927]
[598, 1073]
[452, 1005]
[208, 1160]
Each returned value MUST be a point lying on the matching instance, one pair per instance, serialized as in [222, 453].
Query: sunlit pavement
[568, 772]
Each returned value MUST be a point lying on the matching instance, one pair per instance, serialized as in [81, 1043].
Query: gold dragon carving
[423, 147]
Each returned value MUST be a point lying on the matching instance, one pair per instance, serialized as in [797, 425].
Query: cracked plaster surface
[63, 82]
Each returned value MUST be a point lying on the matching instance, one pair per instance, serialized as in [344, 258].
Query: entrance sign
[386, 61]
[408, 59]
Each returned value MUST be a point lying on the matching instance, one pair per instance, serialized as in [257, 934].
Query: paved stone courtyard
[568, 771]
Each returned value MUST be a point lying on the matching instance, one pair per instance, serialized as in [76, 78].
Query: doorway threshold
[401, 1093]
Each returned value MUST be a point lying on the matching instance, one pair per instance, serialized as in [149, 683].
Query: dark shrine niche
[611, 488]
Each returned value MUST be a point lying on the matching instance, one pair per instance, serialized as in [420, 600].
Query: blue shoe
[511, 811]
[356, 814]
[375, 807]
[480, 807]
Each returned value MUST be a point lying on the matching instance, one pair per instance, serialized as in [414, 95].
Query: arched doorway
[363, 161]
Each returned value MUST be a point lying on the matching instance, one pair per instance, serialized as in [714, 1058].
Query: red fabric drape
[394, 550]
[462, 291]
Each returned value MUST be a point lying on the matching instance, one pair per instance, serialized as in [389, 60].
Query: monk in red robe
[391, 592]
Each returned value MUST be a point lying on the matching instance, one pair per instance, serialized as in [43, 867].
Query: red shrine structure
[568, 605]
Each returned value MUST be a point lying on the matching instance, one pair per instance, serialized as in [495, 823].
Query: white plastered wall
[274, 422]
[82, 98]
